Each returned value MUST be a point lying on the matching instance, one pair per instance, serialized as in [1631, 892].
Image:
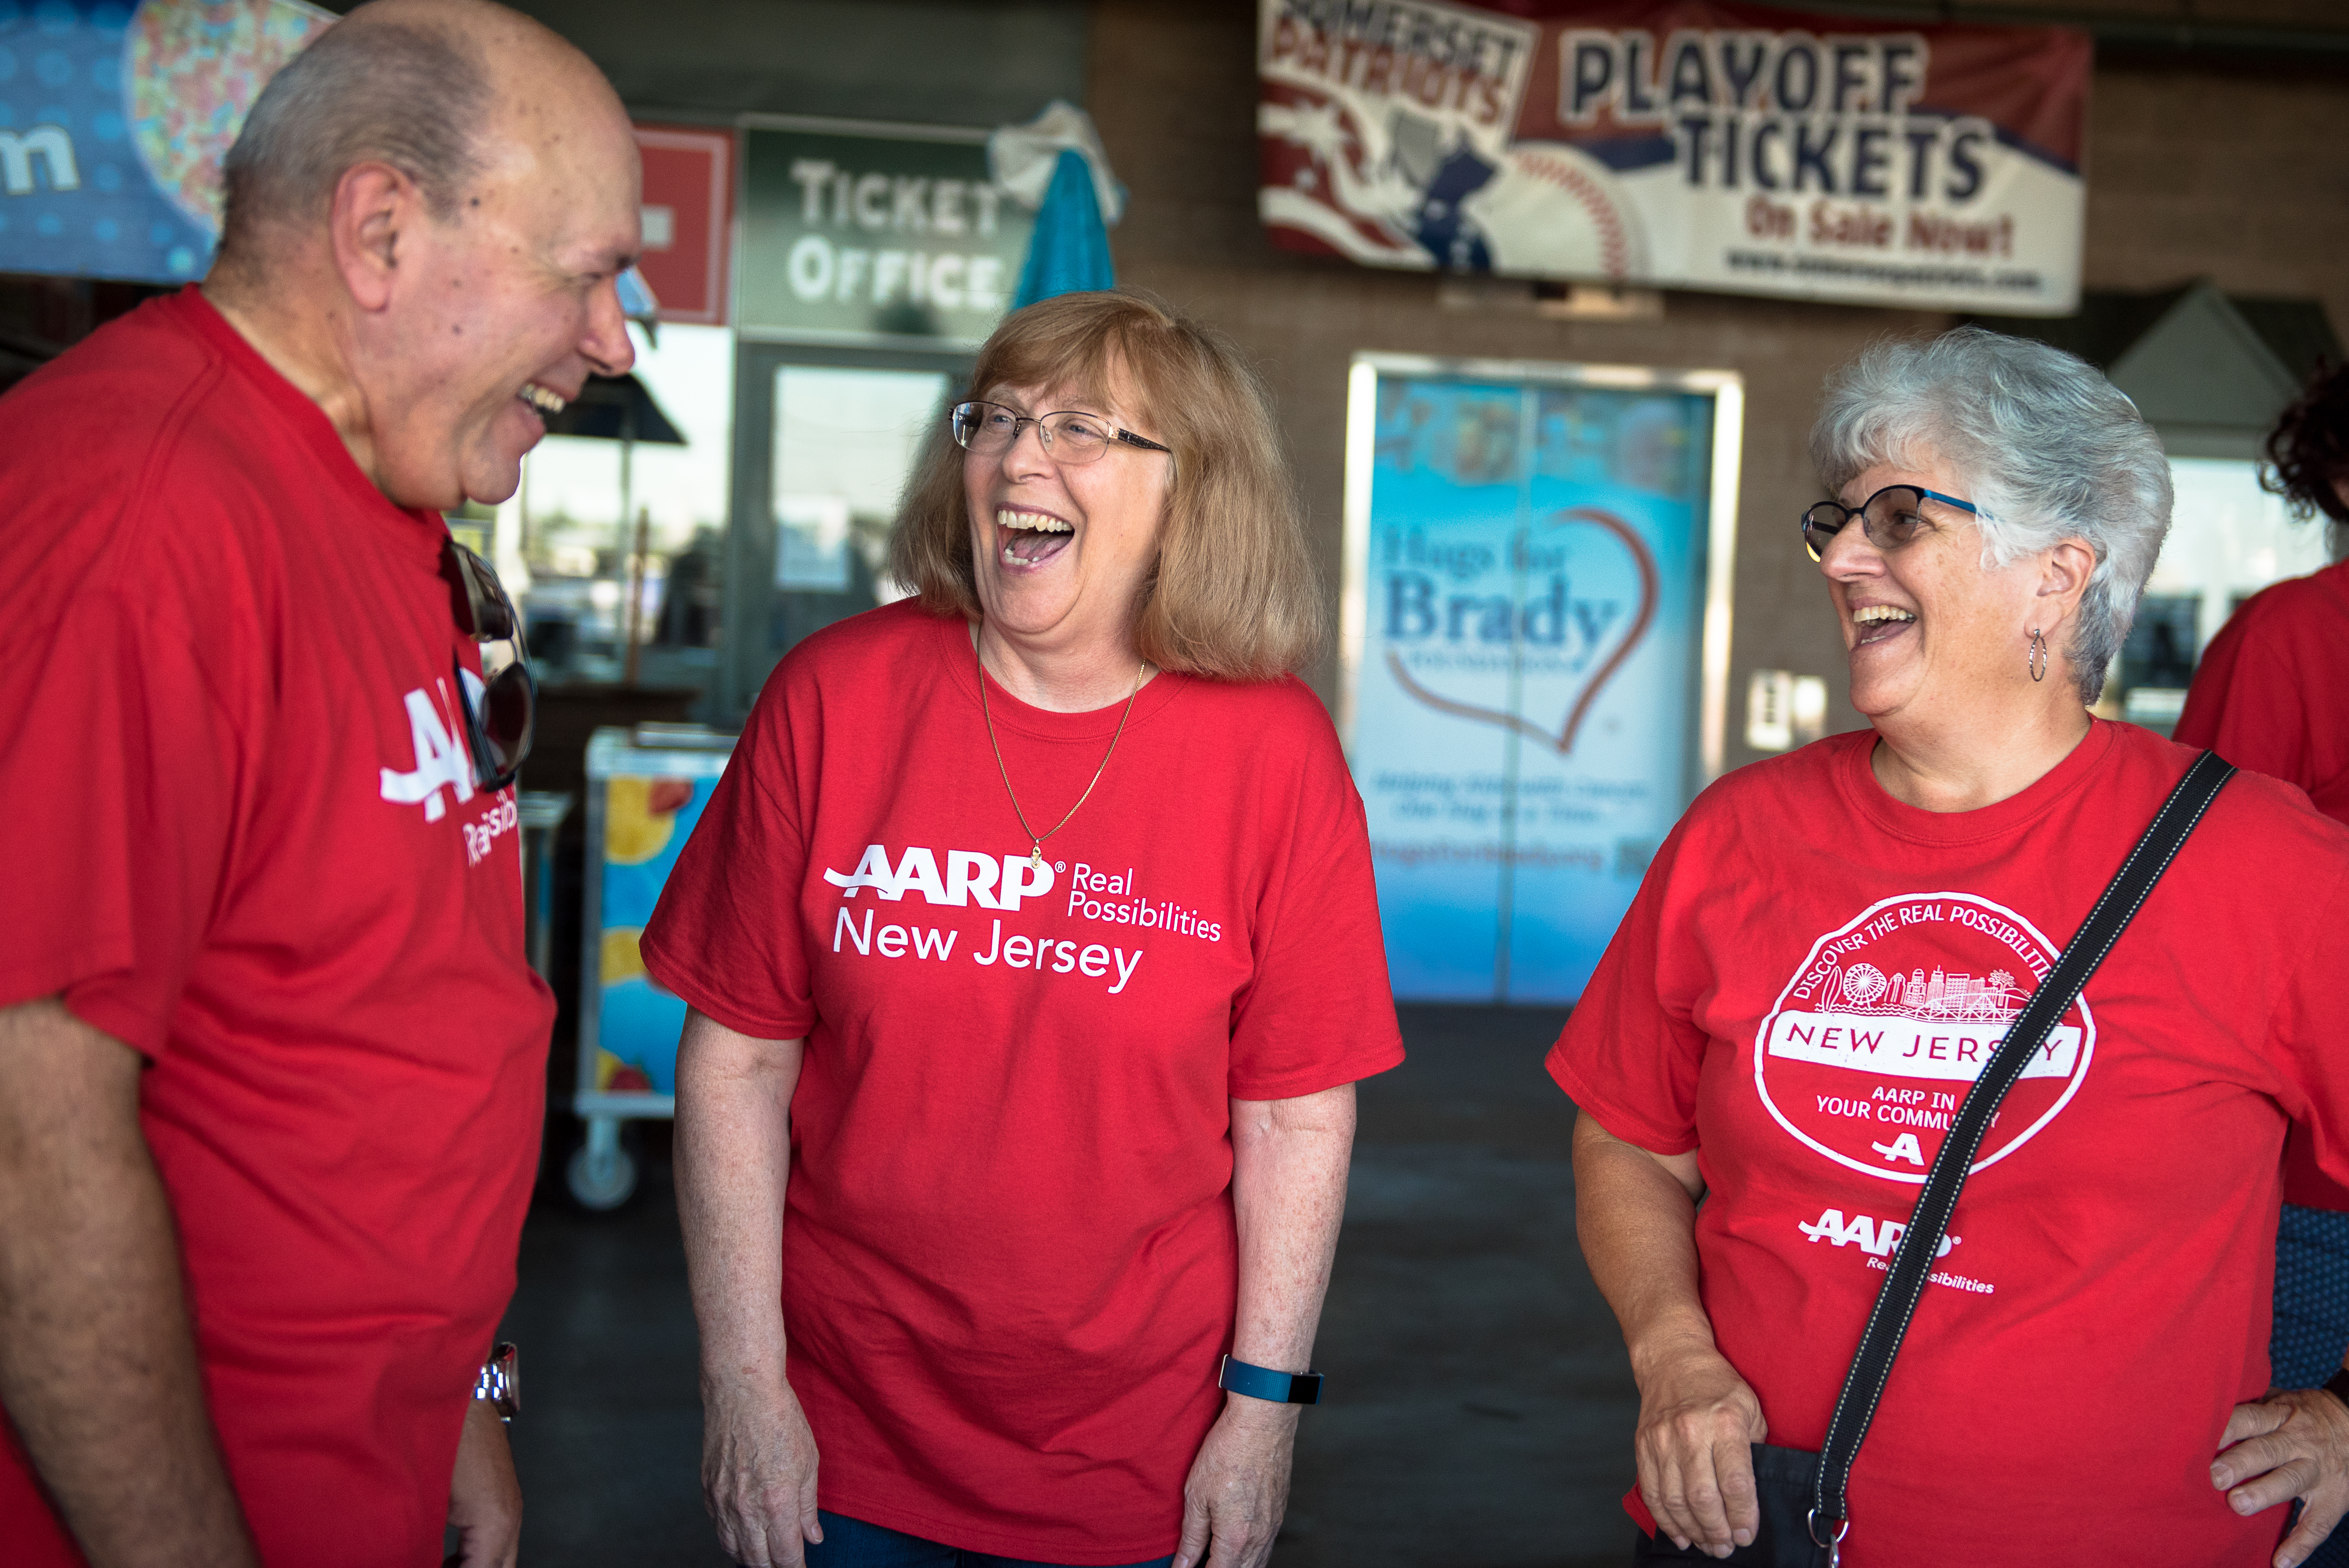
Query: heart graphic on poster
[1561, 739]
[196, 68]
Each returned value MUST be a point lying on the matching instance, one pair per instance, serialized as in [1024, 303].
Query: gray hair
[409, 95]
[2049, 449]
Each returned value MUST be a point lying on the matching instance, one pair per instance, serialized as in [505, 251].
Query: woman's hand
[1698, 1419]
[1238, 1486]
[1288, 1193]
[2294, 1443]
[757, 1477]
[1635, 1210]
[733, 1164]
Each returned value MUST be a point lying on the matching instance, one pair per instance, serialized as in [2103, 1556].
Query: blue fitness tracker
[1263, 1382]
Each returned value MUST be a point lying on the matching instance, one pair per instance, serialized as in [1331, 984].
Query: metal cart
[646, 789]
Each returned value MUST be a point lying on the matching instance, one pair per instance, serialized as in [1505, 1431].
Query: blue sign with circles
[114, 118]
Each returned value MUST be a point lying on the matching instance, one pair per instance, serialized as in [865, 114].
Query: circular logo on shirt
[1873, 1043]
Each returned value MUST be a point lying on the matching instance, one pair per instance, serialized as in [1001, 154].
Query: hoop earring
[2036, 661]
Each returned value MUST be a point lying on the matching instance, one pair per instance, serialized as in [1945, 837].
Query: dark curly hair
[2308, 451]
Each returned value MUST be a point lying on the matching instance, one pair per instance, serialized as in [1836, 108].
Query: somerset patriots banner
[1679, 143]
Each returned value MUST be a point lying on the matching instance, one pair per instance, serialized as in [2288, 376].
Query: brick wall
[2194, 168]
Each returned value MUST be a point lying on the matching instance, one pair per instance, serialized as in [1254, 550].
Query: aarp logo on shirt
[441, 759]
[1891, 1017]
[990, 882]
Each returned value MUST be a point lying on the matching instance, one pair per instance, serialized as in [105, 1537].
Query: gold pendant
[1036, 857]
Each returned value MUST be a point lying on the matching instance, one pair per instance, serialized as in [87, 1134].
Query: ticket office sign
[1536, 650]
[1680, 143]
[875, 236]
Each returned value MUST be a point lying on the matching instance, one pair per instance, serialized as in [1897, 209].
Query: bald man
[271, 1059]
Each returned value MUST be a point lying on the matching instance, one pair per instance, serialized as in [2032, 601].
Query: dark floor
[1480, 1408]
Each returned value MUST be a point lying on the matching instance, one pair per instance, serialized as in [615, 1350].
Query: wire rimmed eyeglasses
[1891, 518]
[1069, 435]
[501, 702]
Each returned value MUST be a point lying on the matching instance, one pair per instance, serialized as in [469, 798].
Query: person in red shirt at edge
[1032, 956]
[1824, 951]
[2273, 693]
[271, 1059]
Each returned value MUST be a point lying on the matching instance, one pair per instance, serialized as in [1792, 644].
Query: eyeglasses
[501, 702]
[1890, 518]
[988, 429]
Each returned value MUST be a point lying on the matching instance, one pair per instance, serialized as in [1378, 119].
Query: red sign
[689, 221]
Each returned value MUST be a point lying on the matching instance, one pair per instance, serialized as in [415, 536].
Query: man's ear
[374, 205]
[2064, 573]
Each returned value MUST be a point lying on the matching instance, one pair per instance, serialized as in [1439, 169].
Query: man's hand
[1238, 1486]
[1698, 1420]
[757, 1477]
[484, 1497]
[2294, 1443]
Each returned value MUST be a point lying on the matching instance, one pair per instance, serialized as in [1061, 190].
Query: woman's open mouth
[1029, 539]
[1880, 622]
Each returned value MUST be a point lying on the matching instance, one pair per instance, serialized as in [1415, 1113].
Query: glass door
[1536, 629]
[828, 439]
[2229, 537]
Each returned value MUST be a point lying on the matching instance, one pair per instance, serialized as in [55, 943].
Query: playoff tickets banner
[1679, 143]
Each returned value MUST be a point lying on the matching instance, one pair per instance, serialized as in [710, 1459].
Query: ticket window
[612, 543]
[826, 442]
[2227, 539]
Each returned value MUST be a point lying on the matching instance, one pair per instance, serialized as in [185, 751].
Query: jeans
[852, 1544]
[2312, 1319]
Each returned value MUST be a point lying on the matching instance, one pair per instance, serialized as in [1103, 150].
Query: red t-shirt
[1807, 984]
[237, 793]
[2271, 694]
[1008, 1256]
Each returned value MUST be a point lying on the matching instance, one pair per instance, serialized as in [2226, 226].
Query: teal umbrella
[1069, 251]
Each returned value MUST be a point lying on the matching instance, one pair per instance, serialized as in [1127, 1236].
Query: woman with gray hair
[1832, 943]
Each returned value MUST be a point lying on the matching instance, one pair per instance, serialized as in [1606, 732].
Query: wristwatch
[500, 1381]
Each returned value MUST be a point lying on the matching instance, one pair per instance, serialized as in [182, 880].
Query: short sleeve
[725, 934]
[1629, 1056]
[2248, 702]
[119, 770]
[1318, 1011]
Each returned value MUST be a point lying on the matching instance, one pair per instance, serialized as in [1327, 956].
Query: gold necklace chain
[1036, 839]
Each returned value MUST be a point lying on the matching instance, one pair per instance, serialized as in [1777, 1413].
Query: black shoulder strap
[1880, 1342]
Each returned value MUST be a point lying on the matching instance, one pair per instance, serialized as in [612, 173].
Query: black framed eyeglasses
[1891, 518]
[988, 429]
[501, 703]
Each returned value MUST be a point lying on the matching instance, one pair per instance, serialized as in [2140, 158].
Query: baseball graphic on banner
[1553, 210]
[1865, 1060]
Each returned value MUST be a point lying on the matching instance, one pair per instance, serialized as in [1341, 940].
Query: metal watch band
[1263, 1382]
[500, 1381]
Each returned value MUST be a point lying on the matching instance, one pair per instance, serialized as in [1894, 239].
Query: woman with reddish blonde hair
[1032, 956]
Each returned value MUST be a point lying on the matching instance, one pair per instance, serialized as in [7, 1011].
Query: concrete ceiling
[939, 62]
